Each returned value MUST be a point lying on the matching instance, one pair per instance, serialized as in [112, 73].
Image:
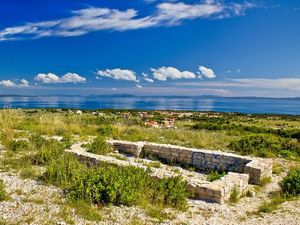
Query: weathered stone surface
[203, 159]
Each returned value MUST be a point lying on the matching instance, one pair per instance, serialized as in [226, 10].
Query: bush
[265, 145]
[290, 185]
[20, 145]
[98, 146]
[47, 151]
[215, 175]
[64, 171]
[110, 185]
[2, 191]
[169, 191]
[113, 185]
[37, 140]
[106, 130]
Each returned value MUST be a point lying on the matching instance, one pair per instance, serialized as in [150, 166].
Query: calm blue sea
[243, 105]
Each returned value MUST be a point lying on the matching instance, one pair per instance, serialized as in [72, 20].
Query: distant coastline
[148, 96]
[251, 105]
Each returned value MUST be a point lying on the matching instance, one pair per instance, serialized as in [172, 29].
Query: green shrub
[215, 175]
[37, 140]
[28, 172]
[2, 191]
[276, 200]
[290, 185]
[106, 130]
[265, 145]
[155, 164]
[98, 146]
[86, 210]
[169, 191]
[19, 145]
[64, 171]
[113, 185]
[49, 150]
[110, 185]
[234, 195]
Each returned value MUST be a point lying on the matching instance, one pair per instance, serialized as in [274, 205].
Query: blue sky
[150, 47]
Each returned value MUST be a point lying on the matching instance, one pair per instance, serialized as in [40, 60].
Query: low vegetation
[34, 156]
[2, 191]
[109, 184]
[98, 146]
[276, 200]
[234, 196]
[265, 145]
[291, 183]
[290, 189]
[215, 175]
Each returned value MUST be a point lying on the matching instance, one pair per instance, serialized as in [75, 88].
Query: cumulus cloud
[163, 73]
[91, 19]
[206, 72]
[24, 83]
[51, 78]
[146, 78]
[12, 84]
[7, 83]
[117, 74]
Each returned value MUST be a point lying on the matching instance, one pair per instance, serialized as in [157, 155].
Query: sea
[248, 105]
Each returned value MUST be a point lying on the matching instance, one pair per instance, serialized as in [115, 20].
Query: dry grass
[183, 137]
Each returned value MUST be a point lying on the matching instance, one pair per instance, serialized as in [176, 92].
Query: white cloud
[281, 83]
[148, 79]
[117, 74]
[139, 86]
[94, 19]
[163, 73]
[291, 84]
[24, 83]
[12, 84]
[206, 72]
[7, 83]
[173, 13]
[51, 78]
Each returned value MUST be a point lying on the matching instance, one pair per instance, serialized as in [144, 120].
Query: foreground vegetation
[31, 153]
[2, 191]
[289, 190]
[258, 135]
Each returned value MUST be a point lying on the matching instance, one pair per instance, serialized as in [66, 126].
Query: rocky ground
[33, 202]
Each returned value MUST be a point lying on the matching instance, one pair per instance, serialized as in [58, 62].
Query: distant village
[155, 119]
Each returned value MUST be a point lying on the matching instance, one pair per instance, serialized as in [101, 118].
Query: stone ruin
[241, 170]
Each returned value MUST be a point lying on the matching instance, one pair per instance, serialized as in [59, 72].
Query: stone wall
[217, 191]
[220, 190]
[201, 159]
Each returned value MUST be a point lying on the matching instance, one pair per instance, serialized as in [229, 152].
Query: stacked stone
[168, 152]
[258, 169]
[215, 160]
[220, 190]
[132, 148]
[199, 158]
